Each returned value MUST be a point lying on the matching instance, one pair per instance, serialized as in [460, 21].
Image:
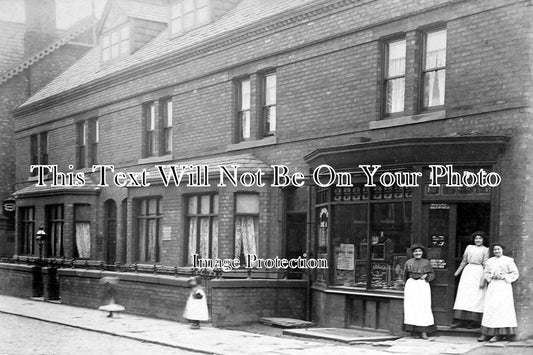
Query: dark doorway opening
[295, 239]
[471, 217]
[110, 231]
[449, 227]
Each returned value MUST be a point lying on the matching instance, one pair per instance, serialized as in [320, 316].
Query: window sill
[407, 120]
[151, 160]
[270, 140]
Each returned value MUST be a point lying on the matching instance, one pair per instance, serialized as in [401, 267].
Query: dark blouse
[415, 268]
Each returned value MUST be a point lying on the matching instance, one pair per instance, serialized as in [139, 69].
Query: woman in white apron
[499, 316]
[468, 306]
[418, 317]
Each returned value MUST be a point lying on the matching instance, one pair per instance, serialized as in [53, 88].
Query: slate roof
[244, 162]
[12, 44]
[32, 190]
[88, 69]
[65, 37]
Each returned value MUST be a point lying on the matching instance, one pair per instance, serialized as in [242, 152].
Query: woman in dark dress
[418, 317]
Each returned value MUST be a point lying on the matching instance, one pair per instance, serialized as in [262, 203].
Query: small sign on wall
[8, 207]
[167, 233]
[438, 263]
[439, 206]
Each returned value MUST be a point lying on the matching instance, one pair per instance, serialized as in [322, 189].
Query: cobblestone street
[22, 335]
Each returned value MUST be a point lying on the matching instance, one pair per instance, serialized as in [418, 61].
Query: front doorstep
[446, 330]
[342, 335]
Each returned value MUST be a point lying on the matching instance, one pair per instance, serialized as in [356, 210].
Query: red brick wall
[236, 302]
[233, 302]
[150, 295]
[15, 92]
[18, 280]
[329, 88]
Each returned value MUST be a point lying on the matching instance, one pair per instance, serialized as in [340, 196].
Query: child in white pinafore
[196, 307]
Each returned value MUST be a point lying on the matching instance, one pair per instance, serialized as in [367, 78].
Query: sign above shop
[439, 206]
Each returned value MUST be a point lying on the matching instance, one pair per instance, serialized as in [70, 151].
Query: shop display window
[370, 235]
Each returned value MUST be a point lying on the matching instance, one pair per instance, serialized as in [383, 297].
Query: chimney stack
[40, 25]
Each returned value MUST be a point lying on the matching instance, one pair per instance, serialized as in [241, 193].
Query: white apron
[196, 309]
[499, 309]
[469, 296]
[417, 303]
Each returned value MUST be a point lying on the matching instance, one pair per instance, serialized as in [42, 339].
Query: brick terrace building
[33, 53]
[298, 83]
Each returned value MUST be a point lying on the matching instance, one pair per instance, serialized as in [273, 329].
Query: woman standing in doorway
[468, 307]
[499, 317]
[418, 317]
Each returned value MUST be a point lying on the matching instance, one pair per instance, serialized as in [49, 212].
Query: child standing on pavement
[196, 307]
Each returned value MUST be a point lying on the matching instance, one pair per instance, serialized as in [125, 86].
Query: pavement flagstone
[210, 340]
[440, 345]
[207, 340]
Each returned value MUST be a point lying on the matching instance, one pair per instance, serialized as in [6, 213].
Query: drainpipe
[308, 250]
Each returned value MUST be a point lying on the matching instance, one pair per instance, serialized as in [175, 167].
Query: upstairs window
[157, 128]
[116, 43]
[38, 150]
[186, 15]
[94, 138]
[434, 69]
[166, 131]
[269, 104]
[394, 84]
[256, 108]
[82, 144]
[149, 131]
[86, 152]
[244, 106]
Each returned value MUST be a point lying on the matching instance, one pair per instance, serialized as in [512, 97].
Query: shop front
[365, 231]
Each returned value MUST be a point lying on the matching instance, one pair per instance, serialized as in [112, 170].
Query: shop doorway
[447, 227]
[295, 240]
[295, 231]
[471, 217]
